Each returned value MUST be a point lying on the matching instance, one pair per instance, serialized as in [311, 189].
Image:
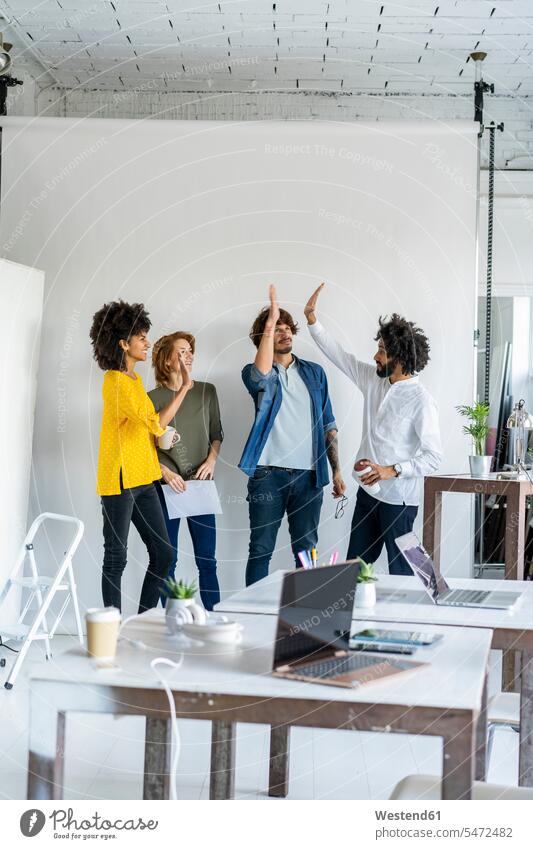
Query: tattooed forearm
[332, 450]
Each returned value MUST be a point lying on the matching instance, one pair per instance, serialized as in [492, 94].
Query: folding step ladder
[42, 589]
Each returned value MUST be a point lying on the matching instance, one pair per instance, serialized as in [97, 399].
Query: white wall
[21, 295]
[313, 101]
[195, 219]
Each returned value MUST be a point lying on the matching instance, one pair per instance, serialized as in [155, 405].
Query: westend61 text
[407, 815]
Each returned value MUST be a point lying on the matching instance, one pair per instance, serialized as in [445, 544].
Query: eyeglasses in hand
[341, 504]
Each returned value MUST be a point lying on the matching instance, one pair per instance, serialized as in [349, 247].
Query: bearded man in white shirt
[401, 436]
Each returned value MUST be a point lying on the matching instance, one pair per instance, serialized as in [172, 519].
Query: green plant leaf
[367, 574]
[478, 428]
[179, 589]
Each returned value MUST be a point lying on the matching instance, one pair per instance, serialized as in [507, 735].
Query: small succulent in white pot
[179, 595]
[365, 593]
[179, 590]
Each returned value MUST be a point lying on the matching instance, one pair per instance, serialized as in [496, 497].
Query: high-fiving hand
[273, 315]
[310, 307]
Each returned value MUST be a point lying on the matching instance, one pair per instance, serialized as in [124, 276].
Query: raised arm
[356, 370]
[166, 414]
[265, 353]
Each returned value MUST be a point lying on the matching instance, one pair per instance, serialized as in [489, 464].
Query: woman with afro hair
[127, 458]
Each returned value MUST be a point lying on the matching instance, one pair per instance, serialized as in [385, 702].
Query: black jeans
[375, 523]
[141, 506]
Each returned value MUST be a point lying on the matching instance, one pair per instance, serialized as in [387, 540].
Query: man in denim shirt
[293, 431]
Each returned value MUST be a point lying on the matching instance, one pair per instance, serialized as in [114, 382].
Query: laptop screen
[315, 610]
[422, 565]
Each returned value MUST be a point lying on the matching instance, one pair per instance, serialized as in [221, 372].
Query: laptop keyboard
[339, 666]
[466, 597]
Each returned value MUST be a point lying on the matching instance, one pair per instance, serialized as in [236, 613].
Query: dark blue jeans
[272, 492]
[374, 524]
[204, 539]
[141, 506]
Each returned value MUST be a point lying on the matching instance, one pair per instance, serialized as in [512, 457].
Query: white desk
[229, 685]
[401, 599]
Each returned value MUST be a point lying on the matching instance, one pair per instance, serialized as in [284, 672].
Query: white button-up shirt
[400, 423]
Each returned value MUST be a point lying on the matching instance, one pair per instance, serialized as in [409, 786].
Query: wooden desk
[401, 599]
[229, 685]
[515, 491]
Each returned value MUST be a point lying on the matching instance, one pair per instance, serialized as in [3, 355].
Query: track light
[480, 87]
[478, 58]
[5, 58]
[6, 80]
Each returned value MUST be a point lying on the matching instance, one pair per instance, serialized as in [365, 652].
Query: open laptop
[437, 588]
[313, 624]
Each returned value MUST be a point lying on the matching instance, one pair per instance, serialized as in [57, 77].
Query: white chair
[503, 710]
[428, 788]
[42, 589]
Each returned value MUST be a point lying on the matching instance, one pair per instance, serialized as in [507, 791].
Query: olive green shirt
[197, 422]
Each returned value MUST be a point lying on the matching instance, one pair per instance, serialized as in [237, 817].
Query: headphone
[193, 613]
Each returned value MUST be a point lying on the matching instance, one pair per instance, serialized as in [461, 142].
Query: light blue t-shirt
[290, 442]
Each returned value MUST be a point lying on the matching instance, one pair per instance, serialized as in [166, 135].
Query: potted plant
[478, 429]
[180, 596]
[365, 593]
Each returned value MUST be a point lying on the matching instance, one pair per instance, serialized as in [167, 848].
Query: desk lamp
[521, 422]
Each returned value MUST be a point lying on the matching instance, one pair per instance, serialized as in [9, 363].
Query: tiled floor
[104, 757]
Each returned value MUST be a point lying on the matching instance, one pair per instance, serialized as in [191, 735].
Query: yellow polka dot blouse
[129, 424]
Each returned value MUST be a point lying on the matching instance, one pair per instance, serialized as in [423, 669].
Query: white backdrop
[195, 219]
[21, 291]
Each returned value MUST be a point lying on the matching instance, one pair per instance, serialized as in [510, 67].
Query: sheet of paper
[199, 499]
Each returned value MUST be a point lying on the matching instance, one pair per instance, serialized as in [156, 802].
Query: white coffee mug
[167, 438]
[373, 488]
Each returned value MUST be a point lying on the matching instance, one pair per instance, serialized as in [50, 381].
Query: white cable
[128, 619]
[175, 730]
[138, 643]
